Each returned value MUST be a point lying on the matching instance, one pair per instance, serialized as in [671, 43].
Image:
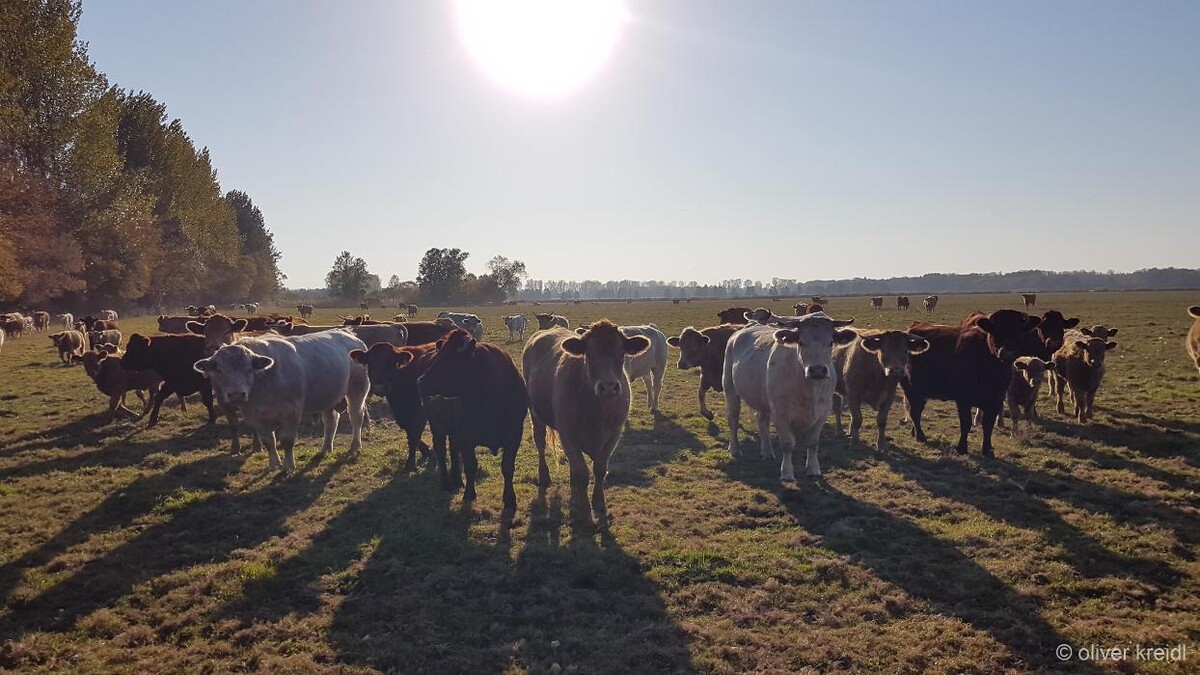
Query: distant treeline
[1030, 281]
[104, 201]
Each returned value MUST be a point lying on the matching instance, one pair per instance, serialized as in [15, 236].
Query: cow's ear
[1049, 364]
[358, 356]
[1087, 332]
[203, 366]
[574, 346]
[636, 344]
[240, 325]
[985, 324]
[581, 330]
[1081, 344]
[1071, 323]
[872, 343]
[673, 340]
[917, 344]
[195, 327]
[844, 337]
[787, 336]
[1110, 345]
[1112, 331]
[1032, 322]
[1020, 365]
[262, 362]
[403, 359]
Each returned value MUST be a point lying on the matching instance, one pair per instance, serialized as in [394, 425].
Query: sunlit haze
[685, 139]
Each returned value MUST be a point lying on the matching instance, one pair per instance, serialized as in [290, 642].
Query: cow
[393, 374]
[516, 327]
[412, 310]
[930, 303]
[1027, 376]
[650, 366]
[251, 308]
[877, 302]
[364, 306]
[1099, 331]
[1030, 299]
[2, 331]
[304, 311]
[674, 301]
[108, 315]
[65, 320]
[104, 337]
[274, 381]
[970, 365]
[803, 309]
[468, 322]
[1193, 336]
[488, 393]
[1079, 365]
[902, 302]
[400, 318]
[733, 315]
[1042, 340]
[104, 368]
[359, 320]
[28, 322]
[578, 387]
[69, 344]
[818, 300]
[177, 325]
[704, 349]
[14, 326]
[551, 320]
[426, 332]
[41, 321]
[172, 356]
[192, 310]
[90, 323]
[868, 370]
[786, 376]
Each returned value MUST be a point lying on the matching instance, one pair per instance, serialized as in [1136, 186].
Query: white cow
[468, 322]
[108, 314]
[649, 366]
[516, 327]
[395, 334]
[67, 320]
[251, 308]
[274, 381]
[785, 375]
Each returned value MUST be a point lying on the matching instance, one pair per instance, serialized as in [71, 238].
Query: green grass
[124, 549]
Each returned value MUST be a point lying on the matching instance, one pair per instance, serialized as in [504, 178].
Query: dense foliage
[103, 199]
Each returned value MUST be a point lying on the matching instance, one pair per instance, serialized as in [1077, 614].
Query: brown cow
[1028, 374]
[104, 337]
[705, 349]
[393, 372]
[1193, 337]
[41, 321]
[578, 387]
[930, 303]
[1099, 331]
[70, 345]
[172, 356]
[868, 370]
[733, 315]
[104, 367]
[1079, 365]
[1030, 299]
[902, 302]
[176, 325]
[877, 302]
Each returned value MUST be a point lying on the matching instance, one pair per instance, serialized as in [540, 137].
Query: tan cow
[104, 337]
[578, 387]
[1079, 365]
[1028, 374]
[705, 349]
[69, 344]
[41, 321]
[1193, 338]
[551, 320]
[868, 371]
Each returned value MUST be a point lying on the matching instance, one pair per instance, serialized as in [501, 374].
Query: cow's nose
[608, 389]
[236, 397]
[816, 372]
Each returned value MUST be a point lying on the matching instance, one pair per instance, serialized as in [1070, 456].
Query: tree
[441, 273]
[258, 245]
[508, 274]
[349, 278]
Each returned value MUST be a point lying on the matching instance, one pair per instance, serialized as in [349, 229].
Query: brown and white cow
[1030, 299]
[41, 321]
[69, 344]
[578, 387]
[704, 349]
[868, 371]
[1193, 337]
[930, 303]
[877, 302]
[546, 320]
[1079, 365]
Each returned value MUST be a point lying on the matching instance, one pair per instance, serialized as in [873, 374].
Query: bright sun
[543, 49]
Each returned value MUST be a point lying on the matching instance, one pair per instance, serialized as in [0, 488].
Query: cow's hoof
[988, 454]
[960, 450]
[787, 480]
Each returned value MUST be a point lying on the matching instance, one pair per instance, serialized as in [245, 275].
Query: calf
[650, 366]
[1193, 336]
[1030, 299]
[1079, 364]
[69, 344]
[1028, 373]
[704, 349]
[516, 326]
[104, 337]
[733, 315]
[468, 322]
[65, 320]
[104, 367]
[930, 303]
[785, 375]
[489, 392]
[578, 387]
[868, 370]
[1099, 331]
[41, 321]
[877, 302]
[172, 357]
[274, 381]
[902, 302]
[551, 320]
[970, 365]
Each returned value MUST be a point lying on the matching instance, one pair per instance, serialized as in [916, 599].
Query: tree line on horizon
[104, 200]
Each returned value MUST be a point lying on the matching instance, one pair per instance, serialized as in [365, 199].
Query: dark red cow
[491, 401]
[172, 357]
[1043, 340]
[426, 332]
[733, 315]
[968, 364]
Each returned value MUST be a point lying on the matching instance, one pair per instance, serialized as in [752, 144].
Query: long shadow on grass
[921, 564]
[1107, 459]
[200, 531]
[1151, 437]
[640, 450]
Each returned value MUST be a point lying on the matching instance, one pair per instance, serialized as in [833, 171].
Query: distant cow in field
[674, 301]
[1030, 299]
[489, 393]
[650, 366]
[104, 368]
[818, 300]
[1028, 374]
[251, 308]
[468, 322]
[304, 311]
[930, 303]
[364, 306]
[516, 326]
[14, 326]
[41, 321]
[177, 325]
[704, 349]
[877, 302]
[1193, 337]
[733, 315]
[970, 365]
[803, 309]
[1099, 331]
[868, 370]
[69, 344]
[1079, 365]
[108, 314]
[546, 320]
[172, 357]
[412, 310]
[902, 302]
[578, 387]
[65, 320]
[786, 376]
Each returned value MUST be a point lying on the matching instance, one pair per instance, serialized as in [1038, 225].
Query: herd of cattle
[268, 372]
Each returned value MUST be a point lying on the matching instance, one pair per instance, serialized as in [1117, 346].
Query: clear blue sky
[722, 139]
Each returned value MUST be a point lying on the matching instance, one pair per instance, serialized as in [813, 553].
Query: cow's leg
[837, 413]
[413, 432]
[206, 397]
[989, 422]
[163, 393]
[964, 425]
[439, 452]
[539, 442]
[1014, 411]
[733, 415]
[856, 418]
[658, 374]
[579, 477]
[470, 463]
[916, 406]
[288, 442]
[881, 419]
[182, 403]
[508, 463]
[812, 446]
[600, 469]
[700, 395]
[765, 451]
[358, 422]
[329, 420]
[787, 446]
[272, 455]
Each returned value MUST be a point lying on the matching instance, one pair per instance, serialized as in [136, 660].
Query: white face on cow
[814, 338]
[1032, 369]
[232, 370]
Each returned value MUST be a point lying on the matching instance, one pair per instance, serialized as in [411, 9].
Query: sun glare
[543, 49]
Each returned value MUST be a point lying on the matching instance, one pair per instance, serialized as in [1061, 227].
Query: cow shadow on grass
[200, 530]
[1151, 437]
[420, 586]
[925, 566]
[643, 453]
[1106, 459]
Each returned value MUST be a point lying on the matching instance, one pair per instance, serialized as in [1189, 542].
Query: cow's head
[1099, 331]
[383, 362]
[1093, 350]
[218, 331]
[603, 347]
[1052, 328]
[814, 337]
[233, 369]
[450, 372]
[138, 355]
[544, 320]
[1032, 370]
[760, 315]
[1004, 328]
[691, 344]
[893, 348]
[91, 360]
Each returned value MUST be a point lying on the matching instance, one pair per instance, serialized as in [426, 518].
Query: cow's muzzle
[816, 372]
[608, 389]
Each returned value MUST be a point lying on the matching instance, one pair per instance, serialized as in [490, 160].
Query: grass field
[126, 549]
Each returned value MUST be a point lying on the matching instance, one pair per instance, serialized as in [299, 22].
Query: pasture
[127, 549]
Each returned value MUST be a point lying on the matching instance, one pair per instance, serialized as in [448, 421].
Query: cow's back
[746, 357]
[540, 362]
[496, 414]
[325, 360]
[174, 356]
[654, 358]
[394, 334]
